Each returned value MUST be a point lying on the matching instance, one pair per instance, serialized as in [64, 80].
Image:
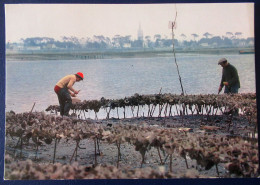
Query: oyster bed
[210, 104]
[201, 144]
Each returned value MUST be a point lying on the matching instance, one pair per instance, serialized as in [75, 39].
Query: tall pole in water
[173, 25]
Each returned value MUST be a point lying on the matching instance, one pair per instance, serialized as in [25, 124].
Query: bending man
[64, 91]
[230, 78]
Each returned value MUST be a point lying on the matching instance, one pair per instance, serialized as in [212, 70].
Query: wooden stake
[171, 163]
[84, 114]
[30, 112]
[186, 162]
[217, 169]
[98, 147]
[54, 154]
[170, 111]
[95, 152]
[143, 157]
[173, 49]
[159, 155]
[118, 153]
[75, 150]
[77, 146]
[36, 148]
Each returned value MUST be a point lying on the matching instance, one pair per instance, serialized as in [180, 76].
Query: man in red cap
[64, 91]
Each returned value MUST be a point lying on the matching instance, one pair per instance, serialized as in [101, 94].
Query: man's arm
[72, 93]
[70, 84]
[222, 80]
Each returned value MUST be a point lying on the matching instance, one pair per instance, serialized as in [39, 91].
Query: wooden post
[30, 112]
[159, 155]
[171, 163]
[54, 154]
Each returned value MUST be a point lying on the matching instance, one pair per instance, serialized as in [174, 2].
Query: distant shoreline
[87, 55]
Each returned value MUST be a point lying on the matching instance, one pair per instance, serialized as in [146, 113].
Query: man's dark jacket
[230, 75]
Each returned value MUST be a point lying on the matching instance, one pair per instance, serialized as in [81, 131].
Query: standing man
[230, 78]
[64, 91]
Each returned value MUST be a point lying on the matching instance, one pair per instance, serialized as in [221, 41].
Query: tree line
[126, 42]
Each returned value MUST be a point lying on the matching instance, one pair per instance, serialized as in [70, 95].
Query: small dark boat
[246, 51]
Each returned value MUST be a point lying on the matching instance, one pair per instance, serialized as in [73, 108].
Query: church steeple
[140, 33]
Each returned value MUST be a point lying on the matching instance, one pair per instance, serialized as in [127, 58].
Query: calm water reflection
[33, 81]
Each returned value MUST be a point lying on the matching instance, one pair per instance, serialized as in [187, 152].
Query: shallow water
[33, 81]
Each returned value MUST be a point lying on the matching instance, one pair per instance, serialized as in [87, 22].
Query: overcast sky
[85, 20]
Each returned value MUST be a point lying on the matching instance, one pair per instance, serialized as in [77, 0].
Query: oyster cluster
[195, 104]
[28, 170]
[239, 155]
